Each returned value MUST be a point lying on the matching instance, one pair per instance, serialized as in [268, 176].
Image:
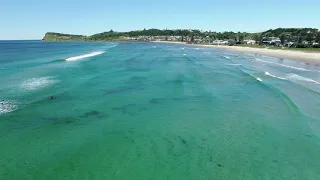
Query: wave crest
[283, 65]
[301, 78]
[271, 75]
[85, 56]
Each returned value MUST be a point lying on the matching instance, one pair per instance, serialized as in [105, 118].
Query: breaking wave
[37, 83]
[7, 106]
[268, 74]
[85, 56]
[294, 77]
[283, 65]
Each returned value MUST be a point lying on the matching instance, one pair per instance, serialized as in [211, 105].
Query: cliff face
[52, 37]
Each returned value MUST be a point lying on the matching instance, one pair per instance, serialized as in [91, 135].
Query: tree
[260, 39]
[240, 37]
[318, 37]
[310, 38]
[282, 38]
[256, 38]
[192, 38]
[299, 38]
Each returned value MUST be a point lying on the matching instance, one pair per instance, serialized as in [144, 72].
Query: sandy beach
[309, 57]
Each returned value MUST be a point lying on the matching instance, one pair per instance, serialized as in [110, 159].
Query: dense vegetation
[51, 36]
[297, 35]
[178, 32]
[294, 34]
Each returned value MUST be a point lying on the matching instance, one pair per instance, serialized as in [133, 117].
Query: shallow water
[155, 111]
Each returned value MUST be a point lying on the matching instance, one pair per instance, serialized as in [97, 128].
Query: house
[271, 41]
[220, 42]
[249, 41]
[288, 44]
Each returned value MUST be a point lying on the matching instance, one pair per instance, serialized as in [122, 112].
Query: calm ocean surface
[155, 111]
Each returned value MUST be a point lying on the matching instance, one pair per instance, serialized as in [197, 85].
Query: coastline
[308, 57]
[171, 42]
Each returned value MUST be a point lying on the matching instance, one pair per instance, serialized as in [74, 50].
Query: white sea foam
[37, 83]
[7, 106]
[268, 74]
[295, 77]
[182, 48]
[283, 65]
[184, 54]
[259, 79]
[85, 56]
[226, 57]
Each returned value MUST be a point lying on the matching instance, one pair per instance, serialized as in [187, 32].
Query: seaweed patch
[91, 114]
[155, 101]
[183, 141]
[119, 90]
[129, 109]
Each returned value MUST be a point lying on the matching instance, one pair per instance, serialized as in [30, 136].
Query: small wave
[7, 106]
[55, 61]
[37, 83]
[283, 65]
[234, 64]
[184, 54]
[85, 56]
[293, 77]
[251, 75]
[226, 57]
[301, 78]
[268, 74]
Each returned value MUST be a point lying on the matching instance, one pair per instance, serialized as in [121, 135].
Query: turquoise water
[155, 111]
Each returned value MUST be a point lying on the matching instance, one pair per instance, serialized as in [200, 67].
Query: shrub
[299, 45]
[316, 46]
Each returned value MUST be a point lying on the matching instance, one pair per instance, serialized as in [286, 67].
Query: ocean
[101, 110]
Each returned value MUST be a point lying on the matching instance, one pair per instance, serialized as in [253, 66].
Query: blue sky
[21, 19]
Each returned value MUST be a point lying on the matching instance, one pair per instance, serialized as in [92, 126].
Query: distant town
[281, 37]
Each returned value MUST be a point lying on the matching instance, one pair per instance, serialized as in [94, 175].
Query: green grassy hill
[50, 36]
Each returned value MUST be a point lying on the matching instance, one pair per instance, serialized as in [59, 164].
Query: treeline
[178, 32]
[296, 35]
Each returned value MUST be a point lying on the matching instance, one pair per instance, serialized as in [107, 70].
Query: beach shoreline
[308, 57]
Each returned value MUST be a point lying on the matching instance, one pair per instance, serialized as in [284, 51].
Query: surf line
[85, 56]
